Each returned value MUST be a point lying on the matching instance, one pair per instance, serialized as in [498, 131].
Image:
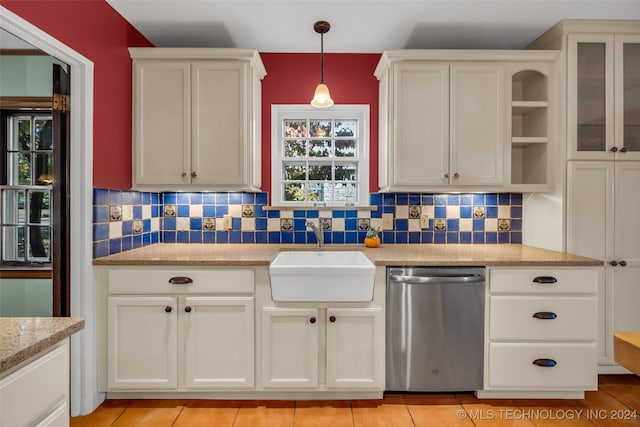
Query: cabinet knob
[445, 176]
[194, 175]
[545, 363]
[184, 174]
[613, 149]
[332, 319]
[167, 309]
[613, 263]
[187, 309]
[623, 150]
[456, 175]
[623, 263]
[312, 319]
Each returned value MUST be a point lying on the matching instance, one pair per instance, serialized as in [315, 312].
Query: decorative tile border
[126, 220]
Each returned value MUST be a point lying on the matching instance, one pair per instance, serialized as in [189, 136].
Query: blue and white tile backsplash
[125, 220]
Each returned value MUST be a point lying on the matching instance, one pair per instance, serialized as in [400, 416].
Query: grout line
[121, 413]
[180, 413]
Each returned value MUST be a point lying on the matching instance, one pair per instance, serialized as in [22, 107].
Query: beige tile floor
[616, 403]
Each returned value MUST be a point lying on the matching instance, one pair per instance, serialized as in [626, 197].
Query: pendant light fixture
[322, 98]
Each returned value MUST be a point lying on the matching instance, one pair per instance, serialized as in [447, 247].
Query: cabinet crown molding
[448, 55]
[250, 55]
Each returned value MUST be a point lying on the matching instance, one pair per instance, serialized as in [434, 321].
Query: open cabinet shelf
[529, 128]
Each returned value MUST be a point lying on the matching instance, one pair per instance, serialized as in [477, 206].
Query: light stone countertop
[24, 337]
[385, 255]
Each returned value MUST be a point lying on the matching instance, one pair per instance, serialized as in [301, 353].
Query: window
[25, 220]
[320, 157]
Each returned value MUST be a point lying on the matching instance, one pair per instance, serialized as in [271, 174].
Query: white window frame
[301, 111]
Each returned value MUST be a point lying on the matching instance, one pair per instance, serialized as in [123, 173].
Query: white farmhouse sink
[338, 276]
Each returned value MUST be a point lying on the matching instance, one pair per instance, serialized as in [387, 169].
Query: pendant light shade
[322, 97]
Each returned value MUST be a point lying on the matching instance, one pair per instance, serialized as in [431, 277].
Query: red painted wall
[98, 32]
[292, 79]
[95, 30]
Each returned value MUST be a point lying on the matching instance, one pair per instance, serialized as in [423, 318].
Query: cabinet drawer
[157, 281]
[543, 280]
[511, 365]
[532, 318]
[28, 395]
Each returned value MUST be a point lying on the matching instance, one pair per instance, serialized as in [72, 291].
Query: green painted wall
[26, 297]
[26, 75]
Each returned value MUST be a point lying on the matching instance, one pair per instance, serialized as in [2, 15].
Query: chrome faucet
[319, 234]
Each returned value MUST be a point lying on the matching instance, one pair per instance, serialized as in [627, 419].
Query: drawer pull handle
[545, 363]
[545, 279]
[180, 280]
[545, 315]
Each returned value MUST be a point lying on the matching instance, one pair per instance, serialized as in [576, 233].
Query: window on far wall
[320, 157]
[25, 193]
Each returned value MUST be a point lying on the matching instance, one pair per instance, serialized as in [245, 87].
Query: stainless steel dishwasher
[435, 329]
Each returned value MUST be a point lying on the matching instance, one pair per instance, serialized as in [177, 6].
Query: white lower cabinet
[541, 325]
[180, 330]
[323, 348]
[37, 394]
[142, 342]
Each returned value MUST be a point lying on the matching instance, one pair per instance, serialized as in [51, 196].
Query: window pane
[346, 192]
[346, 148]
[631, 53]
[346, 172]
[44, 168]
[316, 193]
[320, 148]
[295, 128]
[294, 192]
[318, 172]
[19, 169]
[295, 148]
[24, 135]
[295, 171]
[591, 97]
[13, 207]
[320, 128]
[43, 135]
[13, 239]
[346, 128]
[38, 207]
[39, 242]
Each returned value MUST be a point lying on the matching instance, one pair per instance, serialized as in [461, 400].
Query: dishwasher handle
[464, 278]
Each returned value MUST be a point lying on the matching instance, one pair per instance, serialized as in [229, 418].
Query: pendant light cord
[322, 57]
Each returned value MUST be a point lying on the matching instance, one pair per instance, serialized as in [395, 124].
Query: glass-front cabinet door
[627, 96]
[604, 96]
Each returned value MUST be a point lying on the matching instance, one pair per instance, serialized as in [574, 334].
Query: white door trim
[84, 390]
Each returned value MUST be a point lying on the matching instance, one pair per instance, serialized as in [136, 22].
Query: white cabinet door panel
[420, 153]
[161, 122]
[142, 343]
[355, 339]
[477, 124]
[220, 150]
[590, 209]
[219, 344]
[290, 347]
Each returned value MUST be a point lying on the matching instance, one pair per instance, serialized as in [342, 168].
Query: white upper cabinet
[604, 96]
[196, 119]
[477, 124]
[445, 118]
